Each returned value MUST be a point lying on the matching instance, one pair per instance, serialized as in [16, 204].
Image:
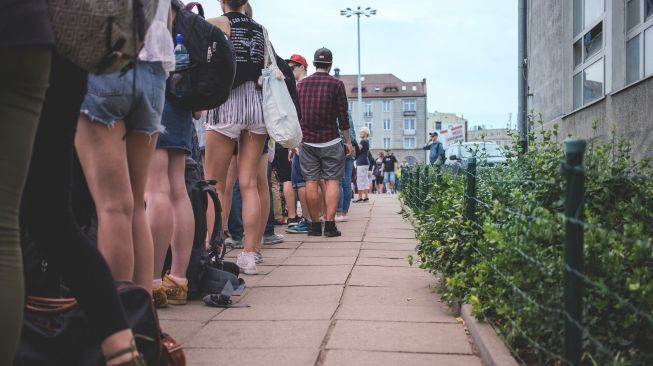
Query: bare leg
[303, 201]
[182, 214]
[331, 195]
[289, 196]
[140, 148]
[313, 200]
[159, 208]
[219, 149]
[232, 175]
[103, 156]
[264, 194]
[249, 155]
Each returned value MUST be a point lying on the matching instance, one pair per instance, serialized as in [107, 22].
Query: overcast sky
[466, 49]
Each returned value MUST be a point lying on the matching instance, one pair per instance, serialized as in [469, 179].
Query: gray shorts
[322, 162]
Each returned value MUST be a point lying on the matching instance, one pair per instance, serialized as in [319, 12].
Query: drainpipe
[522, 58]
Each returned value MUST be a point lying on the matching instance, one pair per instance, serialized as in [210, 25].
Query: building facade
[591, 61]
[393, 110]
[502, 136]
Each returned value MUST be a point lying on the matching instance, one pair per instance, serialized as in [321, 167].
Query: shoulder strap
[269, 58]
[191, 6]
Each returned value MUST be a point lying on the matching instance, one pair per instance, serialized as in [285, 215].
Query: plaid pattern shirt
[323, 102]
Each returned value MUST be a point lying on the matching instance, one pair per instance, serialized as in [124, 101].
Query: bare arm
[222, 22]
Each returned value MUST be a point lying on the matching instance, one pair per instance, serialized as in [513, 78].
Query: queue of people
[133, 143]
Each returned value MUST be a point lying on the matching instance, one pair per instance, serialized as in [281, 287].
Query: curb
[493, 351]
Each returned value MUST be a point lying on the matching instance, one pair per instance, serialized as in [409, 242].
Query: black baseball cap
[323, 56]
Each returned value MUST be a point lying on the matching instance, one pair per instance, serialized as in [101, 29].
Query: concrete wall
[630, 109]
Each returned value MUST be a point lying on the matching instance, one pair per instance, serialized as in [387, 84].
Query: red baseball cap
[298, 59]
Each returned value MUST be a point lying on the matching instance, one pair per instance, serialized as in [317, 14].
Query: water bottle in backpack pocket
[180, 80]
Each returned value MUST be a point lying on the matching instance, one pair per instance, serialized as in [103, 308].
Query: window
[409, 142]
[409, 126]
[387, 105]
[588, 50]
[351, 107]
[386, 143]
[386, 125]
[403, 87]
[437, 125]
[410, 105]
[369, 125]
[414, 88]
[639, 40]
[368, 109]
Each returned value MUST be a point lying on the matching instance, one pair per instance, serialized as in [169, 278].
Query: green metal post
[470, 200]
[573, 290]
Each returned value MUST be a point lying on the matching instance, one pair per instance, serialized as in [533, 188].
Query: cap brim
[323, 62]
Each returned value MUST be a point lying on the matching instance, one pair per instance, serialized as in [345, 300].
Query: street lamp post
[368, 12]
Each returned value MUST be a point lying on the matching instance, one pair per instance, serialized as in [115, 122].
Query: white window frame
[410, 146]
[387, 106]
[387, 143]
[369, 125]
[586, 62]
[410, 131]
[645, 24]
[387, 126]
[408, 102]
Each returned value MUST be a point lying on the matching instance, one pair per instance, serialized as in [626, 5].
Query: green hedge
[509, 263]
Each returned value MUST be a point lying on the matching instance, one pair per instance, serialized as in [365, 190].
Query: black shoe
[359, 200]
[366, 199]
[332, 233]
[316, 229]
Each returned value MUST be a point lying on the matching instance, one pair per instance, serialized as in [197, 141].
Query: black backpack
[207, 82]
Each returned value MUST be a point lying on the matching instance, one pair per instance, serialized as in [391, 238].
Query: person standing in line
[240, 119]
[436, 150]
[345, 189]
[362, 164]
[378, 173]
[323, 102]
[117, 131]
[388, 168]
[299, 67]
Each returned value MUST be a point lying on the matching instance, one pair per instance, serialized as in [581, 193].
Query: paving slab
[367, 358]
[391, 254]
[390, 240]
[318, 261]
[280, 312]
[390, 277]
[353, 238]
[262, 334]
[395, 313]
[285, 245]
[399, 296]
[301, 252]
[303, 295]
[388, 245]
[194, 310]
[183, 330]
[252, 357]
[385, 262]
[269, 252]
[399, 337]
[331, 245]
[307, 276]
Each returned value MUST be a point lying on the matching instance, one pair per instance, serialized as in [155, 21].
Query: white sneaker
[247, 263]
[259, 257]
[341, 218]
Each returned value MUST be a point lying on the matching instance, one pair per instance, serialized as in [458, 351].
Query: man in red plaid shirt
[323, 103]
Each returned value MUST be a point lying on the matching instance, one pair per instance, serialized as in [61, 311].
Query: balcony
[410, 113]
[367, 114]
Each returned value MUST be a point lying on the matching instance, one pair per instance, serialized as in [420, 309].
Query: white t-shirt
[158, 40]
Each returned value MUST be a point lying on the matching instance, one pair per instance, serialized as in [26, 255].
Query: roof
[383, 86]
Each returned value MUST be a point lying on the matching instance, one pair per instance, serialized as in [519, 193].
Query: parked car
[487, 153]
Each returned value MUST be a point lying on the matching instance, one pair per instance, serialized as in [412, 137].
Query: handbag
[56, 332]
[101, 36]
[279, 111]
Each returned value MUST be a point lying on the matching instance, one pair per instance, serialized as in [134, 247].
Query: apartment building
[393, 110]
[592, 60]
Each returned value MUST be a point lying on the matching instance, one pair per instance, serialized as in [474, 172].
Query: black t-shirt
[389, 162]
[25, 23]
[249, 44]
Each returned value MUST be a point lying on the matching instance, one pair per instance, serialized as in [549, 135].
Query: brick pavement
[352, 300]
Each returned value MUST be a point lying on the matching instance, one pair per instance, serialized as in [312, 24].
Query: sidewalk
[352, 300]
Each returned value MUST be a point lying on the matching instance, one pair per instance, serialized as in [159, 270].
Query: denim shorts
[296, 176]
[389, 177]
[115, 97]
[178, 124]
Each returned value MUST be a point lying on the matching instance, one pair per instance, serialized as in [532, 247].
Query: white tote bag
[279, 111]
